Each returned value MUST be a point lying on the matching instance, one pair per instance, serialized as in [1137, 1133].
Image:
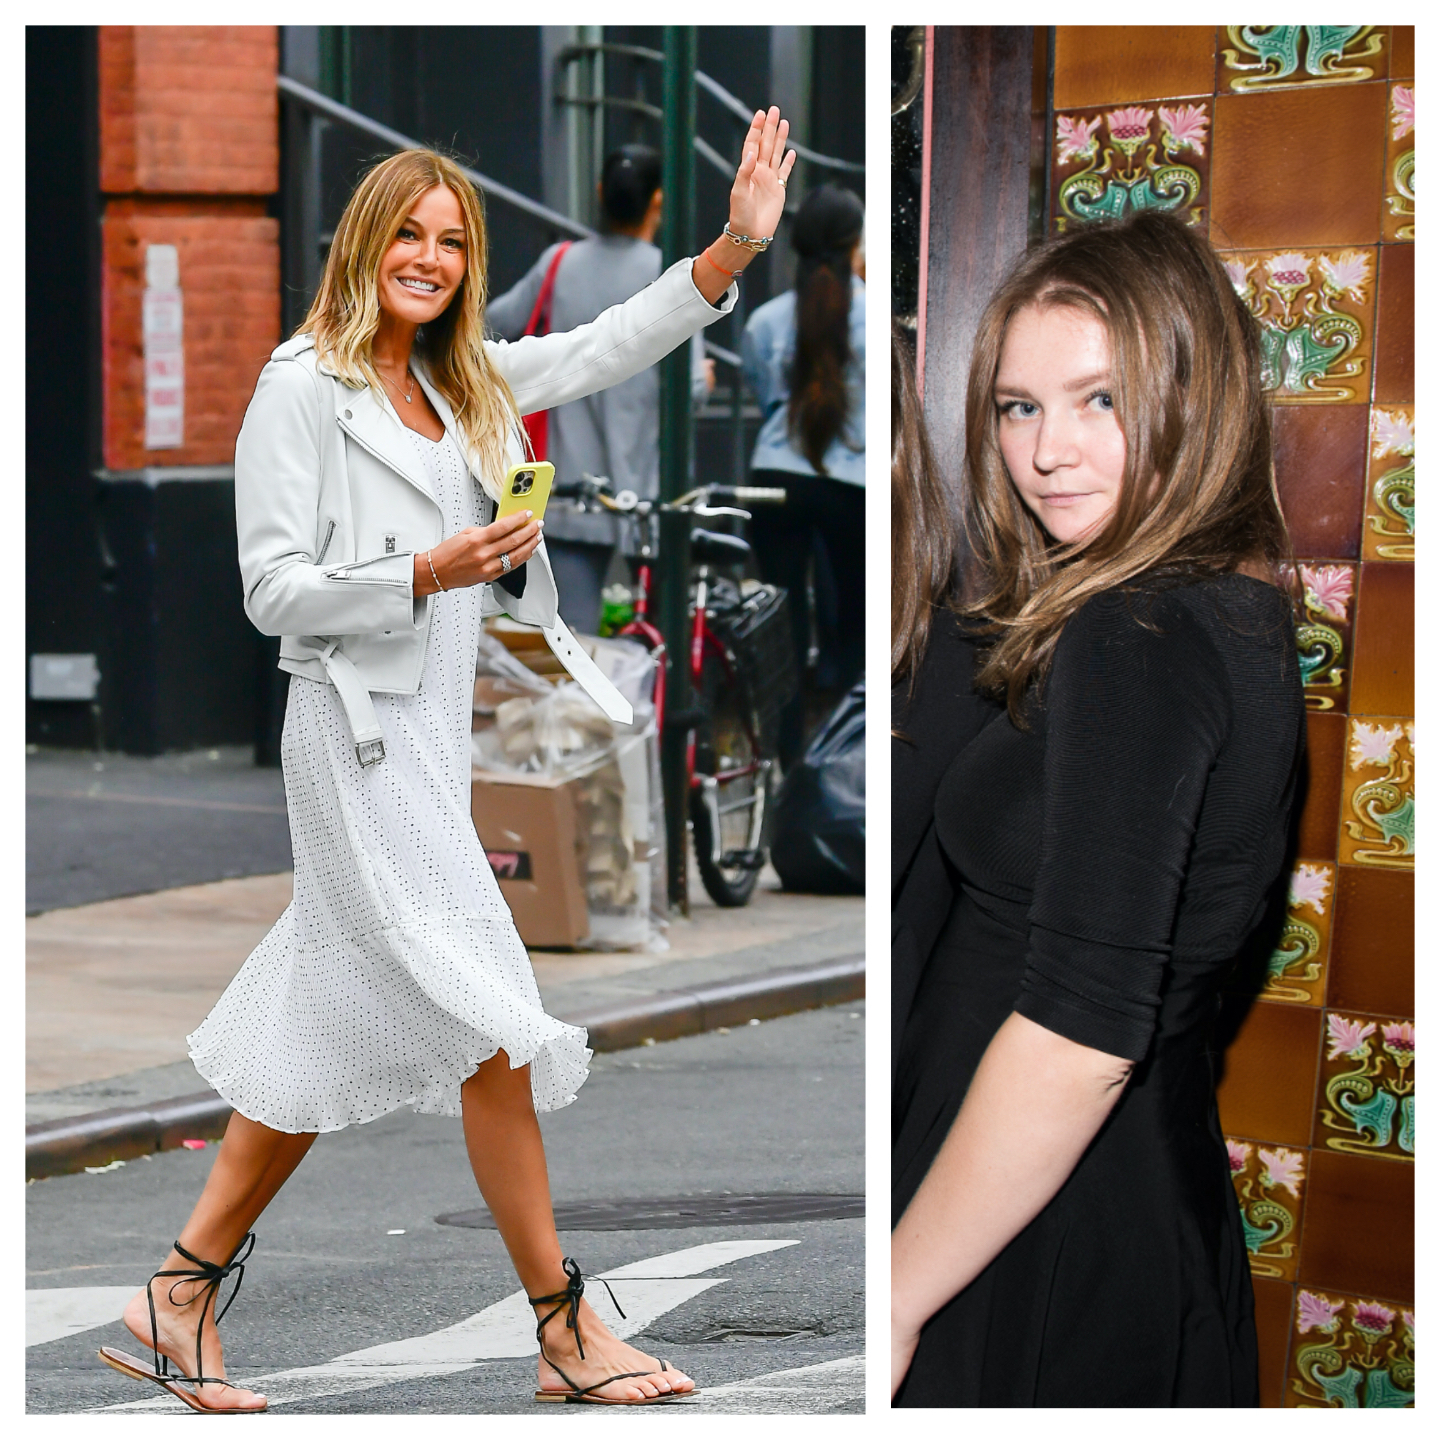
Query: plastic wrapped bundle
[528, 727]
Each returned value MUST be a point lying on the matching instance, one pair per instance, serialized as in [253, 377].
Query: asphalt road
[100, 826]
[767, 1317]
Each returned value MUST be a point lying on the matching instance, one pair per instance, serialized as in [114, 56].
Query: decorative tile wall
[1293, 147]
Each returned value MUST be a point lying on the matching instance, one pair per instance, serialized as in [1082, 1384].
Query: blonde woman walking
[366, 475]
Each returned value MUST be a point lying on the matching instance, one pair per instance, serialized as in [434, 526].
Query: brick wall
[189, 153]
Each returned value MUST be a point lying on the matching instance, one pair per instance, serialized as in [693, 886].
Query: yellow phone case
[527, 487]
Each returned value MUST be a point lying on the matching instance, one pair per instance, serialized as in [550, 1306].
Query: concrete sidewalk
[113, 988]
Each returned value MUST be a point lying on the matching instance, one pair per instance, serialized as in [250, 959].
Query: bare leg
[253, 1163]
[507, 1155]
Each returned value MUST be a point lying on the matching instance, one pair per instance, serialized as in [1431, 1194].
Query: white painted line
[53, 1314]
[646, 1290]
[808, 1390]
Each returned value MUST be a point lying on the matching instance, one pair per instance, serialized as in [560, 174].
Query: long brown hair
[922, 524]
[346, 311]
[1198, 493]
[826, 231]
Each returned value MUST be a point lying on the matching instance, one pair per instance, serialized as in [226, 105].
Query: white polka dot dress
[396, 969]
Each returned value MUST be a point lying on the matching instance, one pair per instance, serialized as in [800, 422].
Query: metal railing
[713, 87]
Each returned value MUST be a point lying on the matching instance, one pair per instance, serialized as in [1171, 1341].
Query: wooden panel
[978, 205]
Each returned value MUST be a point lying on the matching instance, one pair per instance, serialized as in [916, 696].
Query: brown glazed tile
[1319, 829]
[1269, 1185]
[1366, 1102]
[1372, 942]
[1316, 310]
[1105, 161]
[1398, 219]
[1359, 1232]
[1274, 1301]
[1114, 64]
[1267, 1089]
[1267, 57]
[1377, 796]
[1351, 1352]
[1296, 968]
[1298, 167]
[1320, 468]
[1390, 484]
[1384, 680]
[1323, 637]
[1402, 52]
[1395, 327]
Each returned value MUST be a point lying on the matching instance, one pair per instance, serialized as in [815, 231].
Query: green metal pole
[677, 447]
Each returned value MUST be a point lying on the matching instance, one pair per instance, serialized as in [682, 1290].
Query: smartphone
[527, 487]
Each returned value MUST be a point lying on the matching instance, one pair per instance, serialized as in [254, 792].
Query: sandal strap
[569, 1298]
[214, 1277]
[610, 1380]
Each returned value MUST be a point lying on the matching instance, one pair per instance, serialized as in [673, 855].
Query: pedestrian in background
[804, 359]
[396, 975]
[614, 432]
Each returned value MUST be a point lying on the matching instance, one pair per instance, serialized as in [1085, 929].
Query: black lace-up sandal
[569, 1299]
[160, 1373]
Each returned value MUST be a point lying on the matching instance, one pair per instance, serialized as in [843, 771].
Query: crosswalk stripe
[54, 1314]
[808, 1389]
[646, 1289]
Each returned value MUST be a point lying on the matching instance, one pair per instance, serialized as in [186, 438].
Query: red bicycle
[742, 671]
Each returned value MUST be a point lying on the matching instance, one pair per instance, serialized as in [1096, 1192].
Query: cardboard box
[528, 827]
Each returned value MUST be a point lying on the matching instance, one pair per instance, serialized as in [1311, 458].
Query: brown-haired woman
[366, 473]
[804, 359]
[1066, 1230]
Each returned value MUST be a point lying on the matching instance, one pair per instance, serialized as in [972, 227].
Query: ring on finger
[504, 563]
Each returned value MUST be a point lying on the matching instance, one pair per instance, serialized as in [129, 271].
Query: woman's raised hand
[757, 197]
[472, 556]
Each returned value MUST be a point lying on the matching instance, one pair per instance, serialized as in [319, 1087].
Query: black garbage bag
[818, 842]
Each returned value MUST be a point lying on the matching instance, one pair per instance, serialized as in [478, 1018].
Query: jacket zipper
[325, 548]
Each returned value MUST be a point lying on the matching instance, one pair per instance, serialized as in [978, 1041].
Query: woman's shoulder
[1193, 635]
[773, 316]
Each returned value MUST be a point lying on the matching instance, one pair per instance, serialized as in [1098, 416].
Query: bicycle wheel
[734, 786]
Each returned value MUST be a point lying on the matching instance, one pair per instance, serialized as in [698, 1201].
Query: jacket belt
[365, 725]
[359, 707]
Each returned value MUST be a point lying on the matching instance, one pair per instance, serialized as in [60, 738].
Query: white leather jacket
[331, 507]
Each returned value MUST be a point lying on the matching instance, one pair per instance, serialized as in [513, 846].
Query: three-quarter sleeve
[1137, 707]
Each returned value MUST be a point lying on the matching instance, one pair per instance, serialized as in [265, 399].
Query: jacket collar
[374, 423]
[447, 419]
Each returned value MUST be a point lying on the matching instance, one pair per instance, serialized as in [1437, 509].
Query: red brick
[229, 273]
[189, 109]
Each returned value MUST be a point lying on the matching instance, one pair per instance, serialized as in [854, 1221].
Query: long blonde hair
[346, 311]
[1185, 376]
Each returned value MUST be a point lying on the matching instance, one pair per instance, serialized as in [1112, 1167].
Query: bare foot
[176, 1322]
[605, 1354]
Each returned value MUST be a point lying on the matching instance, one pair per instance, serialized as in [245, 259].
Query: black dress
[1105, 867]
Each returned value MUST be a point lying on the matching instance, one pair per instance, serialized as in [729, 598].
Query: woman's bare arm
[1034, 1106]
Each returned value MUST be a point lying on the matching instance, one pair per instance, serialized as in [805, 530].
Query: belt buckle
[370, 752]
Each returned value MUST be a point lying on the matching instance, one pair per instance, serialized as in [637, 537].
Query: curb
[62, 1147]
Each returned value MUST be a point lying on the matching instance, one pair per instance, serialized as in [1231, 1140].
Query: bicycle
[741, 673]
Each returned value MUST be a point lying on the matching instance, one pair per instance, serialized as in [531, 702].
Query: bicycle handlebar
[597, 488]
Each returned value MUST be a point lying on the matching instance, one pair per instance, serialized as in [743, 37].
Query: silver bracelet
[433, 575]
[748, 242]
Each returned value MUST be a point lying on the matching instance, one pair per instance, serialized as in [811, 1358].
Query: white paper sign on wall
[164, 328]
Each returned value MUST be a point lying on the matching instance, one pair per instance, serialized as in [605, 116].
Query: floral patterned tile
[1377, 805]
[1316, 310]
[1398, 220]
[1390, 484]
[1325, 637]
[1109, 161]
[1269, 1185]
[1351, 1354]
[1367, 1087]
[1267, 57]
[1297, 967]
